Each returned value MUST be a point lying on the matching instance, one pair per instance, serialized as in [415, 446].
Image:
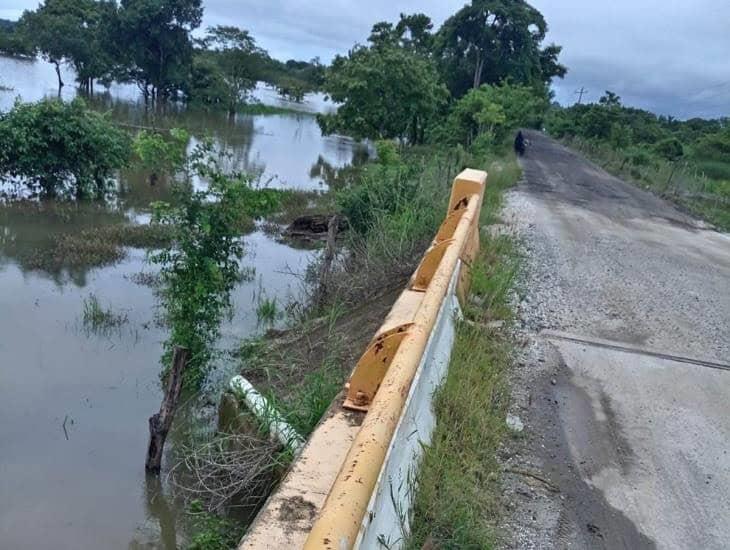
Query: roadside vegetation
[432, 101]
[686, 162]
[457, 496]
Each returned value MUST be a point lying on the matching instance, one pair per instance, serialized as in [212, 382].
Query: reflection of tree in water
[339, 177]
[29, 229]
[160, 532]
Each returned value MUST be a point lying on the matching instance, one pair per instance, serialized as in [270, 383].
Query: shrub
[56, 147]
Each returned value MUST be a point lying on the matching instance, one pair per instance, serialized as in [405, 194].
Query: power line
[580, 93]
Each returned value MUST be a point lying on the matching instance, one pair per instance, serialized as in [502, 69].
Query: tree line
[150, 43]
[484, 70]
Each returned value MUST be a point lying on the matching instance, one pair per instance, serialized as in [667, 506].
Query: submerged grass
[98, 319]
[98, 247]
[262, 109]
[457, 503]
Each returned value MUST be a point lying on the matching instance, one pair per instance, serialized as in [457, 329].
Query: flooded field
[74, 403]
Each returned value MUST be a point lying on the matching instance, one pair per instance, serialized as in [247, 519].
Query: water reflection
[90, 491]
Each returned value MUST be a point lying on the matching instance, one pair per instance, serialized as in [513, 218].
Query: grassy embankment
[689, 188]
[456, 504]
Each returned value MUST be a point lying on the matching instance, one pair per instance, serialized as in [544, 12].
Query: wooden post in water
[160, 422]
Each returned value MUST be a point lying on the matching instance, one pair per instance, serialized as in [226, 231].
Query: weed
[97, 247]
[690, 189]
[211, 531]
[261, 109]
[98, 319]
[267, 310]
[457, 495]
[313, 397]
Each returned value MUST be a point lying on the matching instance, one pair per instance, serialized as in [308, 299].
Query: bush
[160, 154]
[61, 148]
[383, 190]
[486, 114]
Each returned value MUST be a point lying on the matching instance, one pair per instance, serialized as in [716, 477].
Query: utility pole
[580, 93]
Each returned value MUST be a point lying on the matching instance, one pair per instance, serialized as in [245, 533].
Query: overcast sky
[668, 56]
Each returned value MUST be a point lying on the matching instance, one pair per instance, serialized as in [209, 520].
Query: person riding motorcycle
[520, 144]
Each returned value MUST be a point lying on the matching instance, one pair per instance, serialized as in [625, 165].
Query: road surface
[624, 384]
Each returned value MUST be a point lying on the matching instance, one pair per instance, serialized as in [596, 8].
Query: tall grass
[457, 495]
[690, 187]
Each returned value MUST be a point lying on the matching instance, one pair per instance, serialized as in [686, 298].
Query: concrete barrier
[353, 483]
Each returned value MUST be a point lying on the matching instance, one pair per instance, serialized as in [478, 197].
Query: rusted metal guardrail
[323, 501]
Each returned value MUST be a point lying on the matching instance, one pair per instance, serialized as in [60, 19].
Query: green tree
[153, 44]
[412, 32]
[159, 154]
[74, 32]
[610, 99]
[13, 42]
[492, 111]
[490, 40]
[55, 148]
[235, 53]
[385, 92]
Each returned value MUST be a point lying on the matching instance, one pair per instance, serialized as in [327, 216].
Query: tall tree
[72, 32]
[235, 52]
[385, 92]
[154, 44]
[489, 40]
[412, 32]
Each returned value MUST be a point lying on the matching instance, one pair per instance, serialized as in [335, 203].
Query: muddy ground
[623, 379]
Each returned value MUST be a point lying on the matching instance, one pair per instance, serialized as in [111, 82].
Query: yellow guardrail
[382, 378]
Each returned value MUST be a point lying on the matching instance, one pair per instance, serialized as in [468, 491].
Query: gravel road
[623, 383]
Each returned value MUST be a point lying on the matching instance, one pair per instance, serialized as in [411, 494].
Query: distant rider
[520, 144]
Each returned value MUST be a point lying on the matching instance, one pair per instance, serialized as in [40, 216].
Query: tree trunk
[58, 74]
[159, 423]
[478, 69]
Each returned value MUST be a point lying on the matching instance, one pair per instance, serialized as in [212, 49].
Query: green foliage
[74, 32]
[412, 32]
[225, 71]
[713, 146]
[267, 310]
[385, 93]
[161, 154]
[382, 190]
[669, 149]
[200, 268]
[291, 90]
[56, 147]
[152, 44]
[489, 41]
[387, 152]
[213, 532]
[492, 111]
[312, 399]
[13, 42]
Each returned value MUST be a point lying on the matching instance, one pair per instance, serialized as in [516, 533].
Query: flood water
[74, 405]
